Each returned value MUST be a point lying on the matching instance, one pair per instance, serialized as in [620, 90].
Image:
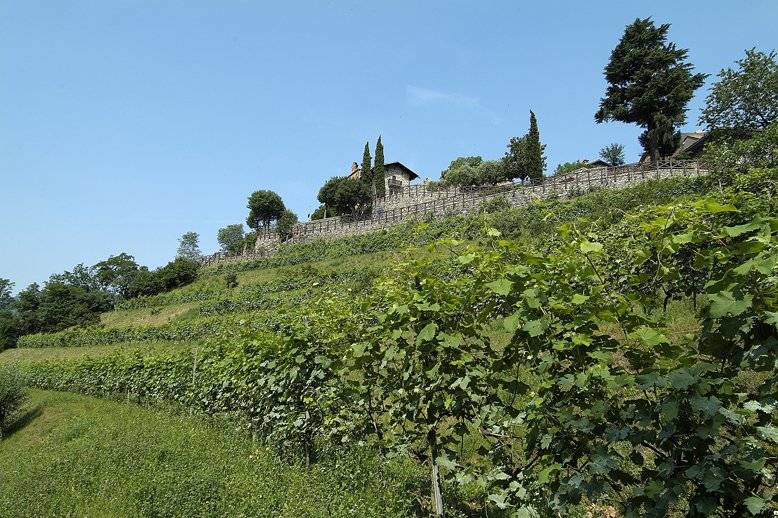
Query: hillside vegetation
[612, 351]
[79, 456]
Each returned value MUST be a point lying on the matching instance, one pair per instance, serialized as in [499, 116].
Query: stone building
[397, 176]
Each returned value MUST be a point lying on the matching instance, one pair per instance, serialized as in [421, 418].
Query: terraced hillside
[567, 356]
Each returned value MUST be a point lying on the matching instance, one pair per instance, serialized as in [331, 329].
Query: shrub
[12, 395]
[495, 204]
[231, 279]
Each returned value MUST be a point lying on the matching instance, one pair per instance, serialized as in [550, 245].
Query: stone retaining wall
[397, 209]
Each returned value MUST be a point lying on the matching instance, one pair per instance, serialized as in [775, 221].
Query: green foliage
[231, 238]
[231, 280]
[264, 206]
[10, 326]
[379, 172]
[367, 173]
[568, 167]
[321, 213]
[345, 195]
[127, 460]
[739, 155]
[495, 204]
[613, 154]
[746, 98]
[286, 222]
[12, 396]
[117, 273]
[473, 171]
[535, 164]
[525, 155]
[649, 84]
[547, 377]
[6, 297]
[189, 247]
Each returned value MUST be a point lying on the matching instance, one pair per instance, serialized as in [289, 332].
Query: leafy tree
[569, 167]
[117, 273]
[474, 171]
[515, 158]
[613, 154]
[286, 222]
[366, 176]
[27, 305]
[746, 98]
[264, 206]
[189, 246]
[9, 322]
[84, 277]
[344, 195]
[352, 196]
[536, 159]
[732, 155]
[231, 238]
[379, 172]
[10, 328]
[321, 213]
[649, 84]
[145, 284]
[6, 299]
[178, 272]
[67, 305]
[328, 194]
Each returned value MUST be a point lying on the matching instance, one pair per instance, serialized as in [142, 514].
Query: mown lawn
[71, 455]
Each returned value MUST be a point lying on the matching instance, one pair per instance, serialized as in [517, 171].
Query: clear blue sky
[124, 123]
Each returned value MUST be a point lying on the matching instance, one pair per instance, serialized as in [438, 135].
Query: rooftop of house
[356, 171]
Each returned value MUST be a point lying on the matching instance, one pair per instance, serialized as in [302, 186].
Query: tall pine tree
[379, 182]
[536, 160]
[366, 176]
[649, 84]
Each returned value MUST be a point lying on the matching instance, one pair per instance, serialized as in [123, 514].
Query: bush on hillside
[231, 279]
[12, 396]
[175, 274]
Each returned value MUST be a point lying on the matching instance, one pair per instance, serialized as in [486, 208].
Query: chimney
[354, 167]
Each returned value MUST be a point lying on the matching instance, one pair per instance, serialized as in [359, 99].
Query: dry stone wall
[419, 202]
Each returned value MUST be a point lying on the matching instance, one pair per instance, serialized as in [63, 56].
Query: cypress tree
[367, 170]
[378, 170]
[536, 160]
[650, 82]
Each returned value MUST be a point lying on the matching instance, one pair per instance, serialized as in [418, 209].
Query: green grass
[72, 455]
[145, 316]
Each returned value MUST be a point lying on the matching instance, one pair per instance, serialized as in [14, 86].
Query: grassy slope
[77, 455]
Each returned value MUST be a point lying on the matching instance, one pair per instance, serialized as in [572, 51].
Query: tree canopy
[745, 98]
[117, 273]
[231, 238]
[285, 224]
[344, 195]
[471, 171]
[189, 246]
[525, 156]
[264, 207]
[613, 154]
[649, 84]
